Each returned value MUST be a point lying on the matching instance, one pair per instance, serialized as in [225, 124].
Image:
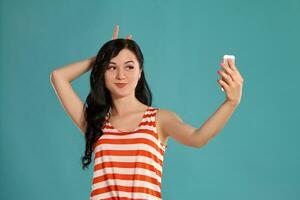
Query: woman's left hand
[232, 82]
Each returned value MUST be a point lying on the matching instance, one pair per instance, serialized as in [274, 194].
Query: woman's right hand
[116, 32]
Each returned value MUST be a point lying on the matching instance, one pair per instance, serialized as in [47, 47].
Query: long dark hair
[99, 101]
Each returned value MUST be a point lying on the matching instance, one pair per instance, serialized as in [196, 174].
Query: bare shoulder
[165, 114]
[170, 124]
[164, 118]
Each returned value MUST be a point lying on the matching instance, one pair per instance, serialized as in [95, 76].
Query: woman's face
[124, 68]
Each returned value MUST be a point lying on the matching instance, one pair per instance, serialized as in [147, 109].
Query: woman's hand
[232, 82]
[116, 32]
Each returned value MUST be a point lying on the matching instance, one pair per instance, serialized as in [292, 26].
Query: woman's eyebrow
[124, 62]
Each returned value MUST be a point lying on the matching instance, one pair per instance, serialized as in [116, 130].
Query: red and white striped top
[128, 165]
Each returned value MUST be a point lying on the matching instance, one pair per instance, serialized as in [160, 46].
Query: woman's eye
[109, 67]
[130, 67]
[113, 67]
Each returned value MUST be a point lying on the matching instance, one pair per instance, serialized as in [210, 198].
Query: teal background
[255, 156]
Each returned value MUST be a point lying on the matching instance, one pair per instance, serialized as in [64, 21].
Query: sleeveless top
[128, 165]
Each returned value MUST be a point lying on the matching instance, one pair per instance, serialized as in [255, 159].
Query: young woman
[126, 134]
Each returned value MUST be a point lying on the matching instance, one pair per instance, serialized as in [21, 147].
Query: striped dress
[128, 165]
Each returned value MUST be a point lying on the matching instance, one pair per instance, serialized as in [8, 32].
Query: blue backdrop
[255, 156]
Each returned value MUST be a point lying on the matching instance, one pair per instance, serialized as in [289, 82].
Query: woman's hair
[99, 101]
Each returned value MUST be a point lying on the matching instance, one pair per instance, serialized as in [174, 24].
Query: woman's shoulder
[167, 115]
[164, 119]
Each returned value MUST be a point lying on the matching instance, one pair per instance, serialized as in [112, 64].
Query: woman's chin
[121, 93]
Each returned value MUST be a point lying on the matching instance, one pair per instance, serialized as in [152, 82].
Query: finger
[223, 84]
[231, 64]
[236, 74]
[116, 32]
[233, 74]
[129, 37]
[226, 77]
[226, 69]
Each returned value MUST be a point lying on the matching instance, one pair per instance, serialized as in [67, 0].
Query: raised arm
[172, 125]
[61, 79]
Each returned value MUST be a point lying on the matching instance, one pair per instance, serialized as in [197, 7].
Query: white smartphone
[232, 57]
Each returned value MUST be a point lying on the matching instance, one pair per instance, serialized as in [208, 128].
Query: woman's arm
[61, 79]
[214, 124]
[73, 71]
[172, 125]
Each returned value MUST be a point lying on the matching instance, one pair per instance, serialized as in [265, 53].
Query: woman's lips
[120, 85]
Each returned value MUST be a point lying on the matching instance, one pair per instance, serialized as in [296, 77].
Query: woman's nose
[120, 74]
